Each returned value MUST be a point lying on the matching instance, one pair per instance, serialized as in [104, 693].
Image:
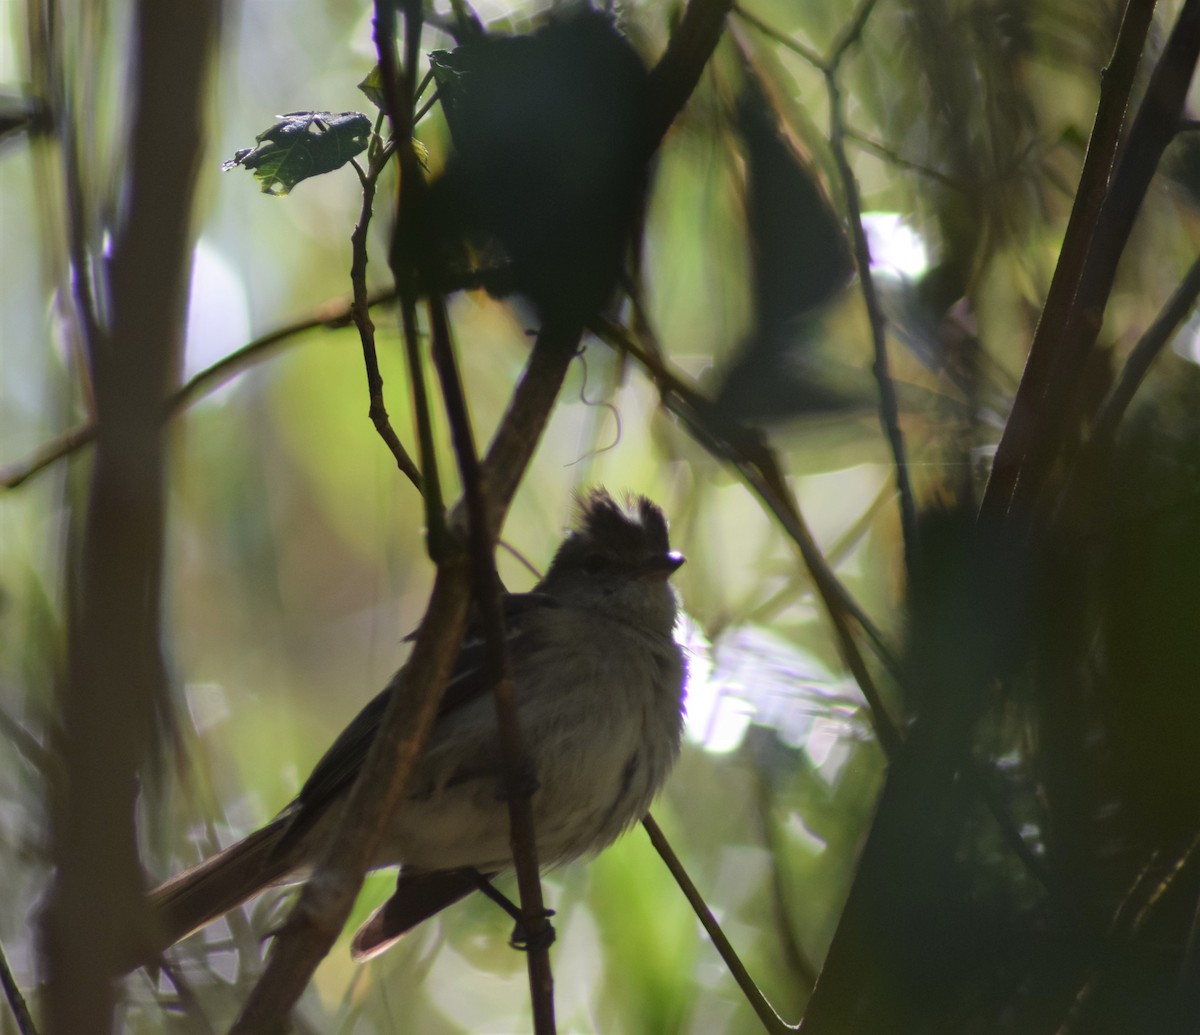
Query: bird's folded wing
[339, 766]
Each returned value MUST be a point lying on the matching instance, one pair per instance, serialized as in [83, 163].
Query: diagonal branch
[333, 315]
[1091, 231]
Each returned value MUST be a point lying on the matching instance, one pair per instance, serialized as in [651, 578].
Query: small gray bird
[599, 684]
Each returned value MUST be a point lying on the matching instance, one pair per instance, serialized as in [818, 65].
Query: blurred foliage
[296, 560]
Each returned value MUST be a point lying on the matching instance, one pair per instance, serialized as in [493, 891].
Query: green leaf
[372, 86]
[303, 144]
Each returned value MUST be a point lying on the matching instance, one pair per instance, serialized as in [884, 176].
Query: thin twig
[771, 1021]
[333, 315]
[889, 409]
[1081, 474]
[1143, 354]
[519, 779]
[757, 464]
[360, 312]
[325, 901]
[16, 1001]
[899, 161]
[795, 46]
[849, 35]
[798, 960]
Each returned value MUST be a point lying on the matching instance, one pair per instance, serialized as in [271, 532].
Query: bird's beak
[663, 567]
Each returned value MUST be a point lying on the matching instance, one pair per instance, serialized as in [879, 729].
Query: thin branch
[399, 84]
[16, 1001]
[360, 312]
[795, 46]
[849, 35]
[899, 161]
[333, 315]
[326, 900]
[46, 455]
[519, 777]
[798, 961]
[771, 1021]
[756, 462]
[889, 409]
[1144, 353]
[1045, 381]
[1080, 476]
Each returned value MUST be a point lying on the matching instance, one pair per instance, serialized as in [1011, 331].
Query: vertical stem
[114, 680]
[520, 779]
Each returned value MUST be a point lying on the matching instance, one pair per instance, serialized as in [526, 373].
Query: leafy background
[295, 554]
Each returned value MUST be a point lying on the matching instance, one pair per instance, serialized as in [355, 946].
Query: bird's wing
[339, 766]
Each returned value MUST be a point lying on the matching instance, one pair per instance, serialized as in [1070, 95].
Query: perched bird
[599, 684]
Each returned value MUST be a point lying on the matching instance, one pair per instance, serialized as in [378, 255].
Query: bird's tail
[211, 888]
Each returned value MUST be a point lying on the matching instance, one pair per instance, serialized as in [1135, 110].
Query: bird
[599, 682]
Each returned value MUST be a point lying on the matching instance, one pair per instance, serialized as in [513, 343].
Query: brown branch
[797, 960]
[771, 1021]
[889, 409]
[795, 46]
[1081, 477]
[16, 1001]
[360, 312]
[678, 71]
[333, 315]
[519, 777]
[757, 464]
[114, 679]
[1045, 380]
[1144, 353]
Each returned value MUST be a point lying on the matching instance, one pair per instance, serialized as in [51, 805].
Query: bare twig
[16, 1001]
[1143, 354]
[519, 779]
[798, 961]
[1080, 477]
[333, 315]
[360, 312]
[899, 161]
[47, 454]
[889, 409]
[756, 462]
[795, 46]
[771, 1021]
